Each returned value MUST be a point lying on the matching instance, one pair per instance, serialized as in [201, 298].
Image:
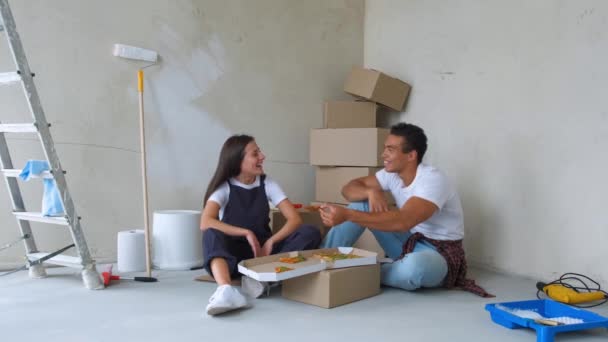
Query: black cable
[22, 268]
[10, 244]
[576, 277]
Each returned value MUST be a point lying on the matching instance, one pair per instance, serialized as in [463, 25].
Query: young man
[424, 236]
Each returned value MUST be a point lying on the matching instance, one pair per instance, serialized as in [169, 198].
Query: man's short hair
[413, 138]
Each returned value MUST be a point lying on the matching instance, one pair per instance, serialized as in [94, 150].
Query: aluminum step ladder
[40, 127]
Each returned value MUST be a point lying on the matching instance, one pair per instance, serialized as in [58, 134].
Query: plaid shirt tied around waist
[453, 253]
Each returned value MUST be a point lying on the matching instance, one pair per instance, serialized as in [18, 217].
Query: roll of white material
[131, 251]
[177, 241]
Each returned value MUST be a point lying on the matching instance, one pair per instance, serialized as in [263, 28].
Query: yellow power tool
[569, 295]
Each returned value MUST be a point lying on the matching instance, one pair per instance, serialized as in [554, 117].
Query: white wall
[512, 95]
[262, 67]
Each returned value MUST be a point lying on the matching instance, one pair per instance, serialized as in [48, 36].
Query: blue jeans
[424, 267]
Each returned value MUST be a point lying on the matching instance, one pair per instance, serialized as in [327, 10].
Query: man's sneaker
[225, 298]
[253, 288]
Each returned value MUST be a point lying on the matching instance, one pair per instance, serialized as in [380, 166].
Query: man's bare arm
[366, 188]
[358, 189]
[415, 211]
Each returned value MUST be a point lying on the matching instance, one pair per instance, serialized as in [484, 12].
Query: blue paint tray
[504, 314]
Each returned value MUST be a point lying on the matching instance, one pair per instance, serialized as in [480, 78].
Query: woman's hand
[267, 248]
[254, 243]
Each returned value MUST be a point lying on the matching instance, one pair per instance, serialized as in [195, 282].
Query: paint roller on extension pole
[135, 53]
[144, 173]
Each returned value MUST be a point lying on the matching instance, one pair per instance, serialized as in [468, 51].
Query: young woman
[235, 221]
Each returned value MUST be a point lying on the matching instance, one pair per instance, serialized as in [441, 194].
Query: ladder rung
[37, 217]
[16, 172]
[63, 260]
[9, 77]
[18, 128]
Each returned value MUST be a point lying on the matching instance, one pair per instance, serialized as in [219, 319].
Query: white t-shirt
[430, 184]
[273, 191]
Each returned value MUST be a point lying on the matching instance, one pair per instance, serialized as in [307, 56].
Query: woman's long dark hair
[229, 165]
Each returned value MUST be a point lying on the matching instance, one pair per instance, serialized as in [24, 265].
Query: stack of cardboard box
[348, 146]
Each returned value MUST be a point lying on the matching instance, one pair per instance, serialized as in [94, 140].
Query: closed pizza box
[265, 268]
[331, 288]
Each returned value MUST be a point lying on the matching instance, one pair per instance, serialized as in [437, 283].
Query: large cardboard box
[331, 180]
[312, 217]
[376, 86]
[350, 114]
[347, 146]
[331, 288]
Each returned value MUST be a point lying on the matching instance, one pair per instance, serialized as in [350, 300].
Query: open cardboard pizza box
[264, 268]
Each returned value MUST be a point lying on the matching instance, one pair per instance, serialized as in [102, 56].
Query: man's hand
[377, 201]
[332, 215]
[254, 243]
[267, 248]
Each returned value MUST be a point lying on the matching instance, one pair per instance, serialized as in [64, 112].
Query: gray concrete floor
[58, 308]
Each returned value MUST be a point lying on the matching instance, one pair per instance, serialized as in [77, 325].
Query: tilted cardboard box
[376, 86]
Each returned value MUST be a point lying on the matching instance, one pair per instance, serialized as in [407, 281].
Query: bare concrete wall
[261, 67]
[513, 97]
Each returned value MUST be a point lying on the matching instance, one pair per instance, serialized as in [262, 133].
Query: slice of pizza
[280, 269]
[336, 256]
[292, 260]
[323, 256]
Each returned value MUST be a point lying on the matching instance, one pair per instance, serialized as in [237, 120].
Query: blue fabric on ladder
[51, 201]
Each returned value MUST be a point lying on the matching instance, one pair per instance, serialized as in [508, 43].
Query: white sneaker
[225, 298]
[253, 288]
